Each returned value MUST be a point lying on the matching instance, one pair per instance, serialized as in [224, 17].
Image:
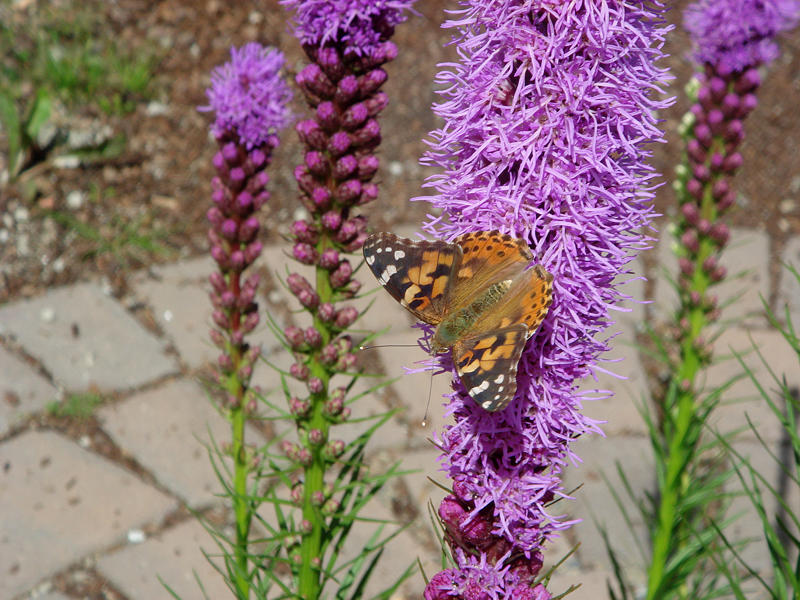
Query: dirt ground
[161, 180]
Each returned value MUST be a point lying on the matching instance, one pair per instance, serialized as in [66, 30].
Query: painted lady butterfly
[478, 292]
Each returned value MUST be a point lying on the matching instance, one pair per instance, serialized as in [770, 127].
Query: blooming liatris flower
[249, 100]
[734, 35]
[546, 120]
[731, 39]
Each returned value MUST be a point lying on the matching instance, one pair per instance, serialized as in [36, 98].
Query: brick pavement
[67, 507]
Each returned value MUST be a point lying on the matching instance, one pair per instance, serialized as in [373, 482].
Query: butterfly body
[479, 293]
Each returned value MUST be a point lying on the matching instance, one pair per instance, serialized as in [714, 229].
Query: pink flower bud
[368, 136]
[294, 337]
[312, 337]
[720, 233]
[732, 162]
[305, 231]
[347, 89]
[309, 299]
[321, 198]
[748, 82]
[346, 317]
[317, 498]
[339, 143]
[217, 338]
[345, 167]
[349, 191]
[327, 117]
[685, 265]
[300, 409]
[372, 81]
[329, 355]
[328, 59]
[718, 87]
[311, 134]
[315, 436]
[326, 312]
[317, 164]
[329, 259]
[690, 241]
[331, 220]
[315, 385]
[297, 283]
[305, 253]
[355, 116]
[250, 322]
[730, 105]
[376, 103]
[248, 230]
[749, 103]
[695, 189]
[690, 213]
[367, 167]
[299, 371]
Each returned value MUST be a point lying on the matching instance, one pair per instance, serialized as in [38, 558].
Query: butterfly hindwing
[487, 365]
[417, 274]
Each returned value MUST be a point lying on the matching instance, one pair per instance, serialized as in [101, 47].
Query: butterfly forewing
[488, 257]
[416, 273]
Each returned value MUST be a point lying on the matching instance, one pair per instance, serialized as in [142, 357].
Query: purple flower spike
[571, 181]
[361, 25]
[733, 35]
[248, 95]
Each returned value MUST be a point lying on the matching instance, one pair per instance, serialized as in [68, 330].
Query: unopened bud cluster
[238, 192]
[713, 131]
[472, 530]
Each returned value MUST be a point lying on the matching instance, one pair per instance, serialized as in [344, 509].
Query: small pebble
[84, 441]
[784, 225]
[168, 316]
[68, 161]
[4, 235]
[300, 214]
[136, 536]
[58, 265]
[156, 109]
[75, 199]
[21, 214]
[395, 168]
[787, 205]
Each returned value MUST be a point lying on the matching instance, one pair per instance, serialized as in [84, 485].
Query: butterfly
[479, 293]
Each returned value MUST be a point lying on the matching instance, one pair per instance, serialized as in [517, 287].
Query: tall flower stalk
[346, 42]
[249, 100]
[732, 39]
[547, 116]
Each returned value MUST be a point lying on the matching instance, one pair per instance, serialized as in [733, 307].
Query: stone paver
[86, 339]
[626, 380]
[60, 503]
[22, 390]
[180, 303]
[789, 286]
[166, 429]
[594, 501]
[57, 493]
[175, 556]
[747, 260]
[742, 399]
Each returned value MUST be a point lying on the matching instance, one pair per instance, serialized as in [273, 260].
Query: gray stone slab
[748, 525]
[789, 286]
[747, 260]
[625, 379]
[178, 296]
[86, 339]
[175, 555]
[22, 391]
[592, 583]
[594, 501]
[165, 429]
[61, 503]
[742, 399]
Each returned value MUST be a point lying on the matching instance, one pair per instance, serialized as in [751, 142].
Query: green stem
[241, 504]
[682, 422]
[309, 586]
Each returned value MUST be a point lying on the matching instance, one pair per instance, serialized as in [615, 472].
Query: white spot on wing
[387, 273]
[370, 259]
[479, 388]
[500, 378]
[398, 254]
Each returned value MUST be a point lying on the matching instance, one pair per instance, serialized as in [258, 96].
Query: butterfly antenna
[428, 405]
[388, 346]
